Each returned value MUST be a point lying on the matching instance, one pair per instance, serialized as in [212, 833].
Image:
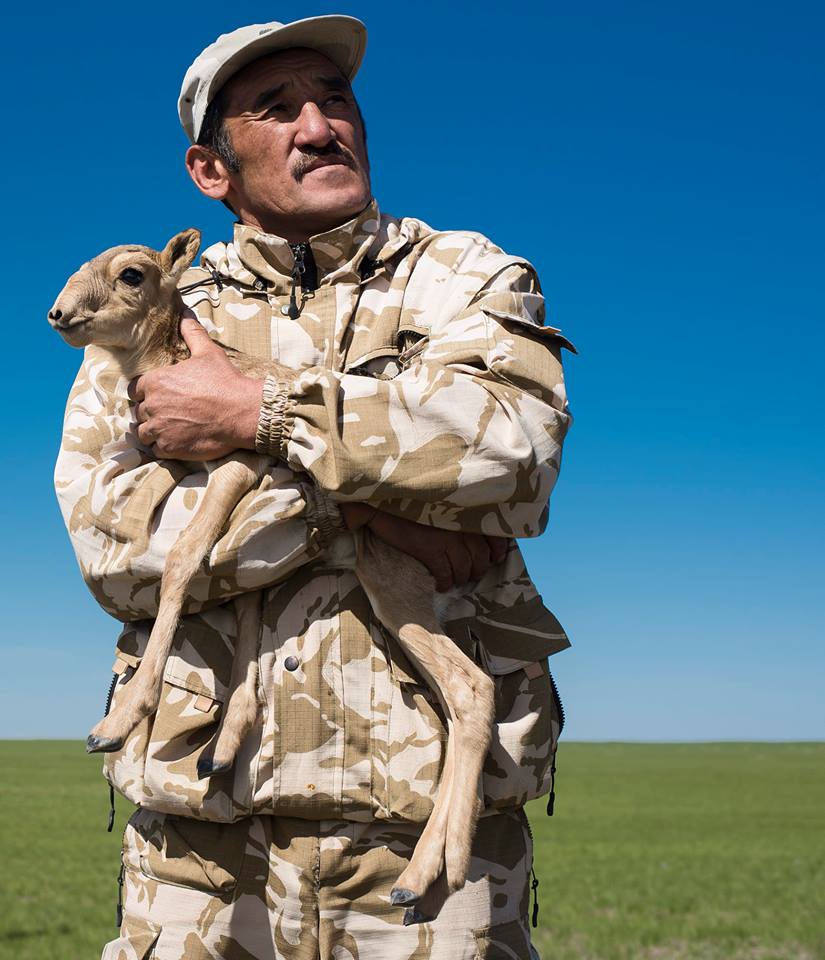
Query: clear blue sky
[661, 164]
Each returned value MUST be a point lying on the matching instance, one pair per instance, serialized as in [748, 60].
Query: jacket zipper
[559, 704]
[109, 697]
[305, 273]
[534, 882]
[551, 799]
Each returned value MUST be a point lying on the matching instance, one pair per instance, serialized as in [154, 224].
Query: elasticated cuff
[270, 437]
[324, 515]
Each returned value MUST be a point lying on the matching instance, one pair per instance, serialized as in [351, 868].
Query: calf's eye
[131, 276]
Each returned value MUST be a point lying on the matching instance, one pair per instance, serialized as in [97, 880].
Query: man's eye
[132, 277]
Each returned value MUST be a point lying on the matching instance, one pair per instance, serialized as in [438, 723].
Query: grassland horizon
[709, 741]
[657, 851]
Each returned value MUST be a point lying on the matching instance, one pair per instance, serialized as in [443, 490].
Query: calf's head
[117, 299]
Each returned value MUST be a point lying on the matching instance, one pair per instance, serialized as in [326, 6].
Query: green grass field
[656, 852]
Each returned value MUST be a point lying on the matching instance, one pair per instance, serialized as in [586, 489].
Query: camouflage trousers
[281, 888]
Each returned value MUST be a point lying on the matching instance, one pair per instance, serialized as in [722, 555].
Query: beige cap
[341, 39]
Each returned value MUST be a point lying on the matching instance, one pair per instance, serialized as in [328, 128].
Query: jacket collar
[254, 258]
[338, 252]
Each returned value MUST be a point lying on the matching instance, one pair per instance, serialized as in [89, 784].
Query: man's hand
[199, 409]
[453, 558]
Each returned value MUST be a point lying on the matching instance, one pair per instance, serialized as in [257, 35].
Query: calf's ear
[178, 254]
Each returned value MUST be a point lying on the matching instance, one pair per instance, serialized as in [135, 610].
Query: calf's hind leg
[228, 482]
[400, 591]
[467, 695]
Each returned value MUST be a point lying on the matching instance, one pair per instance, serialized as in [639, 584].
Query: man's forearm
[202, 408]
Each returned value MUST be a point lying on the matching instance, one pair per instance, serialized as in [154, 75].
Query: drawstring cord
[215, 279]
[119, 910]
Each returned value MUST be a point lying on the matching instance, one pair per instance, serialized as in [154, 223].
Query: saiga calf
[126, 301]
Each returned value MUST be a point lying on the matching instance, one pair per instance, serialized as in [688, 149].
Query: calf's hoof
[400, 896]
[413, 916]
[209, 767]
[102, 744]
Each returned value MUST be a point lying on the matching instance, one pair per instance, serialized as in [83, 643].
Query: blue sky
[662, 166]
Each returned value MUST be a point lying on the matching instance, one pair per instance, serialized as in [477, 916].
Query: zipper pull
[294, 312]
[534, 886]
[297, 277]
[298, 251]
[551, 800]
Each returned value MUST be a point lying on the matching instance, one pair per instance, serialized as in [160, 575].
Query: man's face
[294, 126]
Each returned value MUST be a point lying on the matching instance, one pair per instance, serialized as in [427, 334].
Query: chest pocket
[386, 360]
[383, 341]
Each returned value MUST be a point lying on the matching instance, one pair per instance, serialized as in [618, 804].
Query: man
[428, 404]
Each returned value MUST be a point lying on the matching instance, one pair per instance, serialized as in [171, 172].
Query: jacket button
[291, 663]
[285, 310]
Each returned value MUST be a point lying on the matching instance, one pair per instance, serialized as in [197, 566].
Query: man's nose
[314, 129]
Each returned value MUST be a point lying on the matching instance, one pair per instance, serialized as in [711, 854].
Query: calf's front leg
[227, 483]
[240, 707]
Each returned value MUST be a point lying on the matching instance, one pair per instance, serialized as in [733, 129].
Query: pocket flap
[191, 853]
[498, 306]
[124, 662]
[514, 637]
[201, 660]
[137, 940]
[131, 644]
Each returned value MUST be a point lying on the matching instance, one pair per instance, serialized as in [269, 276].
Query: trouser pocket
[195, 854]
[504, 941]
[137, 940]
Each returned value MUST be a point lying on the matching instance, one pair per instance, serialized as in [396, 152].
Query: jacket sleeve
[124, 509]
[468, 436]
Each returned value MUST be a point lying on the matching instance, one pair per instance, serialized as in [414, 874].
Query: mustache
[304, 163]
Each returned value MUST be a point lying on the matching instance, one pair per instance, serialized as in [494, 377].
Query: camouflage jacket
[426, 385]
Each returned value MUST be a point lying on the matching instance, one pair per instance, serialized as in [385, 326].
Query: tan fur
[139, 326]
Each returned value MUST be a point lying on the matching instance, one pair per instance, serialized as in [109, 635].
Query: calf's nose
[60, 319]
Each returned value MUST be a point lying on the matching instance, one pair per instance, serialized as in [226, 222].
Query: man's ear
[208, 172]
[178, 254]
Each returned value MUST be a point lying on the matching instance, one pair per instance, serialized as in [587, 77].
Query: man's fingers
[479, 554]
[145, 435]
[197, 339]
[356, 514]
[498, 548]
[442, 573]
[135, 389]
[460, 560]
